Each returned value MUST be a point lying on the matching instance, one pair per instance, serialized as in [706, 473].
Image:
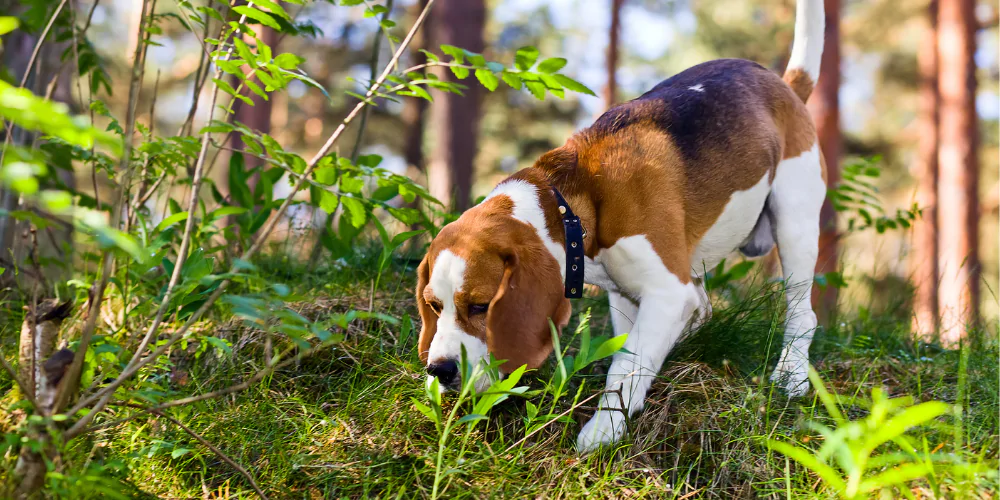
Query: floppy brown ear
[517, 324]
[428, 320]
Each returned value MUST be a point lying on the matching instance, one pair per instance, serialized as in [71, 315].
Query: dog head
[490, 282]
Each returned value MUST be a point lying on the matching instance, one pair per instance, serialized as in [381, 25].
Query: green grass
[341, 423]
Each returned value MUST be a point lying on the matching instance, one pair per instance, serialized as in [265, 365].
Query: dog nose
[446, 371]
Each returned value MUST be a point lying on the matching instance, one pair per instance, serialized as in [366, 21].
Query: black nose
[446, 371]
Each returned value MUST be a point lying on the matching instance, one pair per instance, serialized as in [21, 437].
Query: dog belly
[732, 227]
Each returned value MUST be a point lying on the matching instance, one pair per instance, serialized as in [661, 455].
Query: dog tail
[802, 72]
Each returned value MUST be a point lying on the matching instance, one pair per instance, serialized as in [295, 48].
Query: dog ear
[428, 318]
[517, 324]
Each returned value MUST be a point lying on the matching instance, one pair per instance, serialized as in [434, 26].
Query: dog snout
[446, 371]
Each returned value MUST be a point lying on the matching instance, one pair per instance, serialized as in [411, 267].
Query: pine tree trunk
[824, 106]
[614, 35]
[456, 118]
[958, 169]
[923, 258]
[415, 109]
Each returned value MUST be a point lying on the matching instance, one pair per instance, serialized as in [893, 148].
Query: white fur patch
[697, 88]
[665, 305]
[732, 227]
[447, 279]
[527, 209]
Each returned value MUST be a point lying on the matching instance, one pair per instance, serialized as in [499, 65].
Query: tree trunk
[258, 116]
[924, 256]
[614, 34]
[825, 109]
[415, 109]
[958, 169]
[456, 118]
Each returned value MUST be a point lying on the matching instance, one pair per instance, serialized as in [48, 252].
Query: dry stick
[29, 395]
[75, 368]
[141, 194]
[208, 445]
[105, 394]
[188, 225]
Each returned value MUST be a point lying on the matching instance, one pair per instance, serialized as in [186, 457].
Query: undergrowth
[342, 422]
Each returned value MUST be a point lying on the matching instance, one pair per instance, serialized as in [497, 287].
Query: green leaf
[608, 347]
[257, 15]
[512, 79]
[356, 210]
[525, 57]
[488, 79]
[899, 475]
[8, 24]
[537, 89]
[179, 452]
[551, 65]
[471, 418]
[802, 456]
[740, 270]
[573, 85]
[171, 220]
[288, 61]
[328, 201]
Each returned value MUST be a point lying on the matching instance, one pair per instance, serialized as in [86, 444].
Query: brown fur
[499, 271]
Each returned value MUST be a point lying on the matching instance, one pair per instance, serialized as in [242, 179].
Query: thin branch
[76, 367]
[189, 224]
[103, 396]
[29, 395]
[246, 475]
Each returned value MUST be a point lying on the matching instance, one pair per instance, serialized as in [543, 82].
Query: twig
[246, 475]
[29, 395]
[102, 397]
[75, 368]
[188, 225]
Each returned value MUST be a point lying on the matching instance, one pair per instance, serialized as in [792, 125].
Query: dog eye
[475, 309]
[435, 306]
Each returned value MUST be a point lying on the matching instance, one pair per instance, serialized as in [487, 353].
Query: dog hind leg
[796, 197]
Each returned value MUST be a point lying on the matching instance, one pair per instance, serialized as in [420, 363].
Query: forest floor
[342, 423]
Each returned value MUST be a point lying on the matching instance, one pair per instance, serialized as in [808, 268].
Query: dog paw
[605, 427]
[792, 377]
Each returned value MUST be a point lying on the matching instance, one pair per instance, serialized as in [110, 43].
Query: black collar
[574, 247]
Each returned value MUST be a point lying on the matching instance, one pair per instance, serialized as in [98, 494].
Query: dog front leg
[662, 316]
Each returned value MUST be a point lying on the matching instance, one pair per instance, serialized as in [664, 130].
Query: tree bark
[415, 109]
[614, 35]
[456, 118]
[958, 169]
[258, 116]
[824, 105]
[924, 256]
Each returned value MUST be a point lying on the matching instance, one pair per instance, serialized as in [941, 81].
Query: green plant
[501, 388]
[856, 459]
[857, 196]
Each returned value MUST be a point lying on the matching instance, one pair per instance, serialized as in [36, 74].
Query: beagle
[720, 157]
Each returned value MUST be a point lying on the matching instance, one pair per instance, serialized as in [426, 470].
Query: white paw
[793, 377]
[605, 427]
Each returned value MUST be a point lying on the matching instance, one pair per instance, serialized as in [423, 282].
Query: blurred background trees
[912, 82]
